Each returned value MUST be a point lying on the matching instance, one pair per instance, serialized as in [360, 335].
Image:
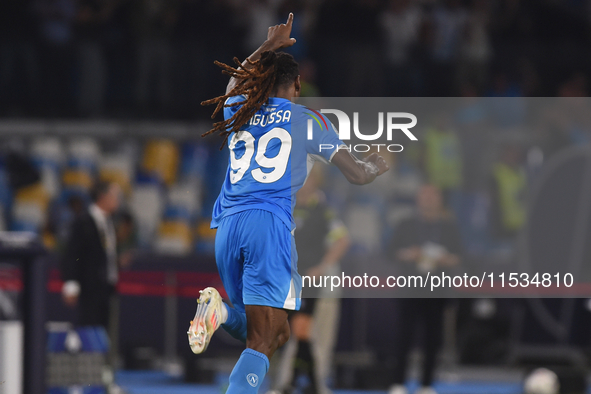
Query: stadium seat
[47, 149]
[77, 178]
[29, 208]
[84, 155]
[86, 149]
[161, 157]
[174, 237]
[146, 205]
[5, 195]
[186, 196]
[205, 237]
[194, 158]
[118, 168]
[50, 179]
[48, 155]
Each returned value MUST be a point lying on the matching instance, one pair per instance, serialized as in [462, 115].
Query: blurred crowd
[154, 58]
[135, 60]
[146, 59]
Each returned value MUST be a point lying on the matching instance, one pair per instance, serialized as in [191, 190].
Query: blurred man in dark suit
[89, 265]
[428, 242]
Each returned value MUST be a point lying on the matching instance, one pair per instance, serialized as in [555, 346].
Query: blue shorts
[257, 260]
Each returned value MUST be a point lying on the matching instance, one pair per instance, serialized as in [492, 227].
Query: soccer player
[270, 156]
[314, 327]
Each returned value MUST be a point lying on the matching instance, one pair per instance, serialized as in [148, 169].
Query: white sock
[224, 313]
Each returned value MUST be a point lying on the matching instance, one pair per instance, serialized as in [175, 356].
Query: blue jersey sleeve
[324, 140]
[230, 111]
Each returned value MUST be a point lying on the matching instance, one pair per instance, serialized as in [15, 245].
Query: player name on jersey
[262, 120]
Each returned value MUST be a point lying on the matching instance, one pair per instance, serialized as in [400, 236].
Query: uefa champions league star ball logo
[252, 379]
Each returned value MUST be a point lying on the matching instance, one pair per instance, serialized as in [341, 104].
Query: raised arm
[277, 38]
[359, 172]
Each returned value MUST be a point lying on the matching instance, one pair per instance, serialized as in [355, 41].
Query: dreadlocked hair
[256, 83]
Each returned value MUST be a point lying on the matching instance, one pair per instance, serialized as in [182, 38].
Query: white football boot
[208, 318]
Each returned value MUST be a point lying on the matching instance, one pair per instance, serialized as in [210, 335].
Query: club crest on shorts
[252, 379]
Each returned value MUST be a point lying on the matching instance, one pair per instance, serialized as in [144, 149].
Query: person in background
[426, 242]
[447, 23]
[153, 23]
[324, 239]
[89, 262]
[475, 49]
[401, 23]
[442, 158]
[19, 71]
[56, 20]
[308, 76]
[92, 17]
[508, 192]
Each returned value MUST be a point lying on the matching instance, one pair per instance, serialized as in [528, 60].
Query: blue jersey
[270, 158]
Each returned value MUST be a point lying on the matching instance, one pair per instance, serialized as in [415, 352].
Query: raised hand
[278, 35]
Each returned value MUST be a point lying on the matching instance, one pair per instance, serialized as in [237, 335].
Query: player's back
[259, 172]
[270, 158]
